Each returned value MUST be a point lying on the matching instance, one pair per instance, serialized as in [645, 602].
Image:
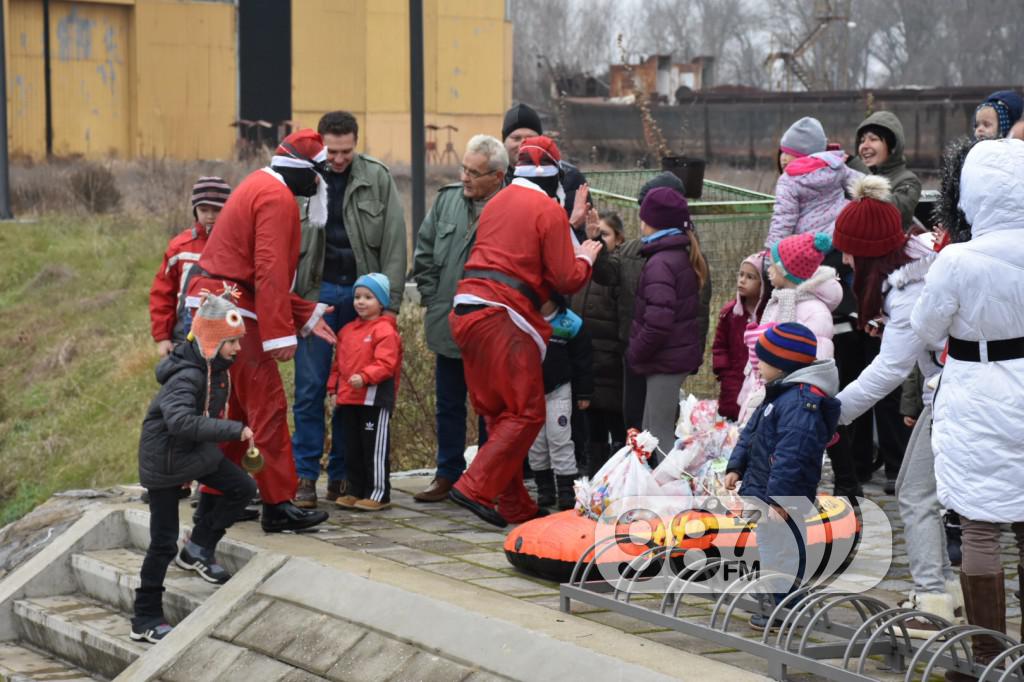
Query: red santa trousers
[506, 387]
[258, 401]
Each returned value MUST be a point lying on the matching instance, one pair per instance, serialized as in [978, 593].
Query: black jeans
[237, 488]
[634, 395]
[607, 431]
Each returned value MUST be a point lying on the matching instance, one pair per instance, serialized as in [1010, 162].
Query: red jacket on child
[182, 253]
[729, 357]
[372, 349]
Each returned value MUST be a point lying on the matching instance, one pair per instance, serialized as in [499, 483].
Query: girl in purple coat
[664, 339]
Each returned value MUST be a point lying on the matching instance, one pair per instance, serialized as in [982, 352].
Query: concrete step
[19, 662]
[81, 630]
[111, 576]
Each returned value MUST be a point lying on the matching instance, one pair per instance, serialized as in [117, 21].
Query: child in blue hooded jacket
[778, 456]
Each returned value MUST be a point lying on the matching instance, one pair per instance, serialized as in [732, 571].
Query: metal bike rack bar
[806, 614]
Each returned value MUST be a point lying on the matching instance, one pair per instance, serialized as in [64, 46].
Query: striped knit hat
[210, 190]
[788, 346]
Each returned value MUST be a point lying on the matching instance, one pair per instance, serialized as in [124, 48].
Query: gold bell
[253, 460]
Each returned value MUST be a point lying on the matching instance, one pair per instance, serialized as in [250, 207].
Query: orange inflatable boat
[550, 546]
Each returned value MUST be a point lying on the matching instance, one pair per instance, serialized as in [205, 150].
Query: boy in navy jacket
[778, 456]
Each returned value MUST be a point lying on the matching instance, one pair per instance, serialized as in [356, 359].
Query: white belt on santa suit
[517, 319]
[192, 302]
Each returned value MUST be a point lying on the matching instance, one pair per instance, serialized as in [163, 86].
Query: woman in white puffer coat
[974, 294]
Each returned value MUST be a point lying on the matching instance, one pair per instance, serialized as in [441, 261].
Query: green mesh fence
[731, 223]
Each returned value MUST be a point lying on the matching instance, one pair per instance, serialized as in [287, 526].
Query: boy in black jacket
[179, 443]
[568, 372]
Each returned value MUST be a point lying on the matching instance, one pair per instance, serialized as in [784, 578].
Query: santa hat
[305, 149]
[216, 320]
[870, 226]
[800, 255]
[538, 158]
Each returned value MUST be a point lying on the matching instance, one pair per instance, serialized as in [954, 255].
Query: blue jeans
[450, 413]
[313, 359]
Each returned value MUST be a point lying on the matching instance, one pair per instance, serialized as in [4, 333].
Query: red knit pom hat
[870, 226]
[800, 256]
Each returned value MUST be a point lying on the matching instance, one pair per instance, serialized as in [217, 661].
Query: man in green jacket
[442, 247]
[356, 227]
[880, 144]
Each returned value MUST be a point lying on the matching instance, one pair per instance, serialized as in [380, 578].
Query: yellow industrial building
[168, 78]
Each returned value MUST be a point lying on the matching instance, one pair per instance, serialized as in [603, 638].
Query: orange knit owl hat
[216, 321]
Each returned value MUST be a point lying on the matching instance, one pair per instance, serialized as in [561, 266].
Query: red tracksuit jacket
[182, 252]
[524, 233]
[256, 246]
[372, 349]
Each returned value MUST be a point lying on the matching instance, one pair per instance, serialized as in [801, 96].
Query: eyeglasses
[475, 174]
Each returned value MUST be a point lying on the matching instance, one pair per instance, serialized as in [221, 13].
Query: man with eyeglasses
[442, 246]
[355, 227]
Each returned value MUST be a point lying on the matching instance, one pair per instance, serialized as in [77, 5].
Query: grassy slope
[75, 356]
[76, 359]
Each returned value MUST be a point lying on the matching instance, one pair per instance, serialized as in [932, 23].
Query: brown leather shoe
[437, 491]
[305, 496]
[336, 489]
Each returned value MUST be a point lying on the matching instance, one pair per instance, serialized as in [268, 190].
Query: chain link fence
[731, 222]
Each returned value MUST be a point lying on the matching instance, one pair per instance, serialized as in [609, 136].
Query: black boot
[566, 493]
[951, 522]
[286, 516]
[545, 487]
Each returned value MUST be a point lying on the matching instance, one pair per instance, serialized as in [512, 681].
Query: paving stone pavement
[445, 539]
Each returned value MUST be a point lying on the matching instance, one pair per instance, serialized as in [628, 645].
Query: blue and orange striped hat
[788, 346]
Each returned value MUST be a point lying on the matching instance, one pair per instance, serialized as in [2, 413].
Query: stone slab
[275, 628]
[20, 663]
[461, 570]
[321, 643]
[516, 587]
[409, 556]
[477, 537]
[374, 657]
[488, 559]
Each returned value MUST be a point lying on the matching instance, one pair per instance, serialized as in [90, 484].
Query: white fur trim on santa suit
[283, 342]
[318, 314]
[317, 207]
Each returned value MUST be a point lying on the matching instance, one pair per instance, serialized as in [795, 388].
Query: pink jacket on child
[811, 304]
[809, 195]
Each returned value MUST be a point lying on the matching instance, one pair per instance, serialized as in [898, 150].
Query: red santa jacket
[372, 349]
[256, 247]
[525, 234]
[182, 252]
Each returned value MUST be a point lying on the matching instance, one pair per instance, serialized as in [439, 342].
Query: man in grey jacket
[355, 228]
[442, 247]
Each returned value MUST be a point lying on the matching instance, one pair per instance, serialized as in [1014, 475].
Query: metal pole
[416, 115]
[5, 183]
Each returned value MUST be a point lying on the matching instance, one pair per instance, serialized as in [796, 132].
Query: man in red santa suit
[524, 250]
[254, 253]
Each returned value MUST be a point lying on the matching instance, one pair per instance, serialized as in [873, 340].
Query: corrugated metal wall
[467, 68]
[159, 78]
[146, 78]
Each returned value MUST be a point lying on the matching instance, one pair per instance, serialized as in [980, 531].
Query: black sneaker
[152, 634]
[192, 557]
[286, 516]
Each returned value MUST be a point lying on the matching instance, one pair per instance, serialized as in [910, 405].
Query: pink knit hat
[801, 255]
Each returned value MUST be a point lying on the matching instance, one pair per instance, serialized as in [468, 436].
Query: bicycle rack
[809, 637]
